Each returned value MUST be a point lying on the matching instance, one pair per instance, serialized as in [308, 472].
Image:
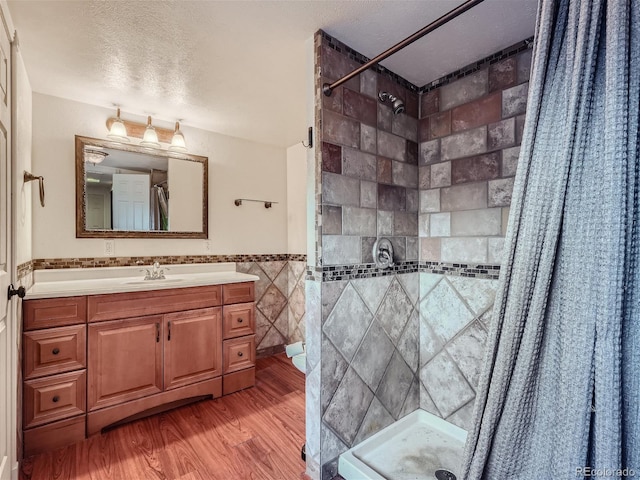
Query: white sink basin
[155, 282]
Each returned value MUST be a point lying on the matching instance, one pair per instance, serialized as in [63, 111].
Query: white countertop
[95, 281]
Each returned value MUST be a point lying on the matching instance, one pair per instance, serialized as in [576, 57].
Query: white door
[7, 322]
[131, 201]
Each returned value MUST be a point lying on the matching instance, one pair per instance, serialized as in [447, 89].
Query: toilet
[298, 355]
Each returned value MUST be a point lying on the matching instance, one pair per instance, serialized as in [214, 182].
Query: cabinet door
[192, 347]
[125, 360]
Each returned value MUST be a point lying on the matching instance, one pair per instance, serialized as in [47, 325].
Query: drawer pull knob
[55, 351]
[240, 320]
[239, 354]
[56, 399]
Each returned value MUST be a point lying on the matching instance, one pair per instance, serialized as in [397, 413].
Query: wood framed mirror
[128, 191]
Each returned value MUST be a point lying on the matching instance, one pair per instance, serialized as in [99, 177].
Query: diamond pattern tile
[395, 385]
[271, 339]
[376, 419]
[373, 356]
[372, 290]
[282, 282]
[272, 303]
[333, 368]
[446, 386]
[412, 402]
[478, 293]
[445, 313]
[272, 269]
[467, 351]
[409, 343]
[394, 310]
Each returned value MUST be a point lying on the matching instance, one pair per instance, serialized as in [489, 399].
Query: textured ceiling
[238, 67]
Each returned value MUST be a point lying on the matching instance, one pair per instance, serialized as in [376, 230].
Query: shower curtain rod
[328, 88]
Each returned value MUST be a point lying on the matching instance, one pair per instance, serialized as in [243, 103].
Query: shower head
[397, 105]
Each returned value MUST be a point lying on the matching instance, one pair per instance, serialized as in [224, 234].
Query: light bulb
[150, 138]
[177, 142]
[118, 131]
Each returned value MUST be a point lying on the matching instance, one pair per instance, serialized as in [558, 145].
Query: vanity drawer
[238, 320]
[54, 350]
[54, 312]
[238, 292]
[54, 398]
[239, 353]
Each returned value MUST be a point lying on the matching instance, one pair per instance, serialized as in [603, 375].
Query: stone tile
[424, 177]
[411, 284]
[405, 126]
[333, 368]
[413, 200]
[313, 322]
[391, 146]
[409, 343]
[519, 128]
[395, 385]
[474, 169]
[340, 190]
[524, 65]
[510, 161]
[272, 338]
[282, 323]
[385, 223]
[369, 84]
[340, 249]
[505, 220]
[441, 174]
[329, 470]
[430, 249]
[373, 356]
[514, 100]
[412, 104]
[427, 282]
[500, 192]
[430, 200]
[440, 124]
[340, 130]
[464, 250]
[501, 134]
[335, 65]
[430, 343]
[430, 152]
[331, 220]
[464, 144]
[412, 152]
[399, 245]
[385, 117]
[331, 292]
[348, 407]
[296, 302]
[272, 269]
[412, 249]
[464, 197]
[404, 174]
[445, 384]
[260, 286]
[474, 223]
[262, 326]
[367, 249]
[360, 107]
[368, 138]
[332, 447]
[312, 412]
[426, 403]
[376, 419]
[496, 248]
[272, 303]
[331, 158]
[445, 313]
[384, 170]
[440, 225]
[424, 220]
[467, 351]
[372, 290]
[503, 74]
[359, 164]
[394, 311]
[405, 224]
[487, 317]
[424, 130]
[392, 197]
[368, 194]
[359, 221]
[479, 112]
[282, 280]
[463, 417]
[429, 103]
[464, 90]
[348, 322]
[412, 402]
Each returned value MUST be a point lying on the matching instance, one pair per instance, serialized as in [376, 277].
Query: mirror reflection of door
[131, 201]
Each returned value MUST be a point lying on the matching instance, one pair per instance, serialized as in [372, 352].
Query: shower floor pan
[413, 448]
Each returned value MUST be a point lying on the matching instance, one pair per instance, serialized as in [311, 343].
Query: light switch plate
[109, 248]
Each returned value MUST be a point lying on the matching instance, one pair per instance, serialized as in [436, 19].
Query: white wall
[296, 199]
[237, 169]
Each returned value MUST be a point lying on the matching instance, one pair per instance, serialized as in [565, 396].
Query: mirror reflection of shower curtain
[160, 208]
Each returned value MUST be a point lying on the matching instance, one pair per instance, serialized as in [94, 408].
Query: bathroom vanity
[127, 348]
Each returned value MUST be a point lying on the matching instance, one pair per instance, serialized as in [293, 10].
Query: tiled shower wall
[381, 344]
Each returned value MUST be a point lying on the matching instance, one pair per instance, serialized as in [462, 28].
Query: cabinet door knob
[240, 320]
[56, 399]
[239, 354]
[55, 351]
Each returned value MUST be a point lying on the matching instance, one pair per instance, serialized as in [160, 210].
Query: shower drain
[445, 475]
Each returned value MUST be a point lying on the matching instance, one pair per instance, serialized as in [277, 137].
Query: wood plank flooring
[254, 434]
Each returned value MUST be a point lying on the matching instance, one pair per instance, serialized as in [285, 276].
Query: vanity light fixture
[118, 131]
[94, 155]
[150, 138]
[177, 141]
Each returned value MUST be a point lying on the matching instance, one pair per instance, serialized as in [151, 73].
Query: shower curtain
[559, 396]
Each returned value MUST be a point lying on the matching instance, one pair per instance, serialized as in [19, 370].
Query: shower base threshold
[413, 448]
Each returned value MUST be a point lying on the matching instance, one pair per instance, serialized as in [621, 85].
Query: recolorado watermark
[605, 472]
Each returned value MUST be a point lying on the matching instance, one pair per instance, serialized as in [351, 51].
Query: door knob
[20, 291]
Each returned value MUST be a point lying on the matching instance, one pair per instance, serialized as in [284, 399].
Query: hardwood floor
[252, 434]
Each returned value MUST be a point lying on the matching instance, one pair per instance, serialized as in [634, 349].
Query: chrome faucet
[155, 272]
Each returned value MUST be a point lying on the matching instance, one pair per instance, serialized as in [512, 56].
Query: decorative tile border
[24, 269]
[479, 65]
[491, 272]
[89, 262]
